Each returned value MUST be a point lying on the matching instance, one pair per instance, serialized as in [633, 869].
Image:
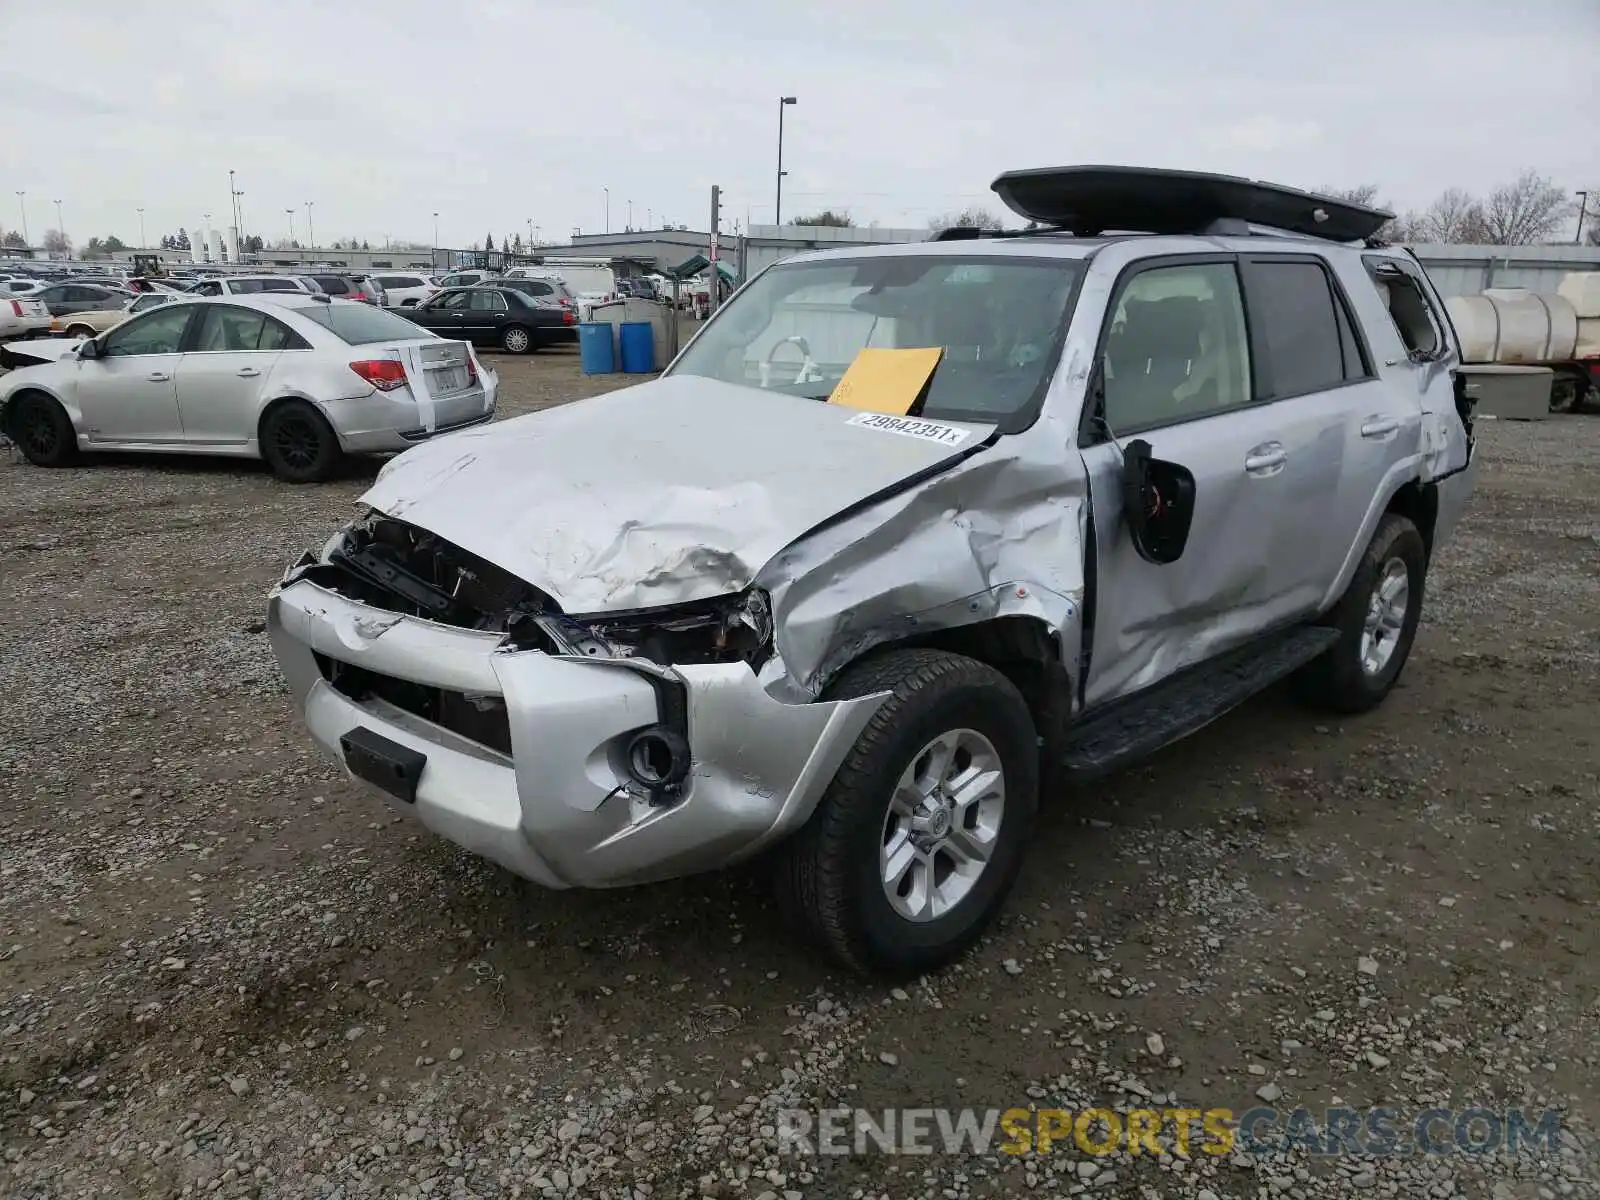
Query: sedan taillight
[16, 307]
[567, 317]
[385, 374]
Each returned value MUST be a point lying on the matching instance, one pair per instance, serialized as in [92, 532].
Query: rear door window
[1294, 327]
[362, 324]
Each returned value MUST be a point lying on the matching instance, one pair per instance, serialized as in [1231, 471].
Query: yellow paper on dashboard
[887, 381]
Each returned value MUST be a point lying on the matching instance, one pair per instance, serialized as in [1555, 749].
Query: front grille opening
[480, 719]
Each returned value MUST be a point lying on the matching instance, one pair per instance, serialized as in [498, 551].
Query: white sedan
[295, 379]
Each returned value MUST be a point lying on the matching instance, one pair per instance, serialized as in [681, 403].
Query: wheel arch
[1026, 650]
[1402, 491]
[7, 407]
[286, 398]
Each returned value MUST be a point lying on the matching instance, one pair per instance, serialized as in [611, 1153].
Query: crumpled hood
[676, 490]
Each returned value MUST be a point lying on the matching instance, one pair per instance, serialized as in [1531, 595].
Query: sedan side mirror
[89, 349]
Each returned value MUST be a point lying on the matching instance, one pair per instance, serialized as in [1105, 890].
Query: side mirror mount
[1158, 502]
[89, 349]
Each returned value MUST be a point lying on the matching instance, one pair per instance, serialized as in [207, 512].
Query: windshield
[797, 328]
[360, 324]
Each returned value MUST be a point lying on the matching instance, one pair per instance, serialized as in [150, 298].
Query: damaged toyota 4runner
[1189, 436]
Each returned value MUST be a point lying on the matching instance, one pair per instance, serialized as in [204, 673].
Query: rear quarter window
[362, 324]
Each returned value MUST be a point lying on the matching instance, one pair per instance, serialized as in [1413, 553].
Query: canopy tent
[692, 266]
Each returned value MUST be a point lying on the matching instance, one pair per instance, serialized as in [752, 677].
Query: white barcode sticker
[928, 431]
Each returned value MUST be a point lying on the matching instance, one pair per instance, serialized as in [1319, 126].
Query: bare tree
[828, 218]
[1365, 195]
[56, 242]
[967, 218]
[1529, 209]
[1456, 216]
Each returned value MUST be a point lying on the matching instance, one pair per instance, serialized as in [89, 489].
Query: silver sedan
[298, 380]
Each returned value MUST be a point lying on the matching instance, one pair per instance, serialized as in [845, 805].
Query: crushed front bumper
[556, 809]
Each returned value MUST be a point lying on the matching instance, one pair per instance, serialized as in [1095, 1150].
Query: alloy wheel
[297, 442]
[942, 825]
[1386, 616]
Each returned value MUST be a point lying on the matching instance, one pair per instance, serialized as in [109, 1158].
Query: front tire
[1377, 621]
[80, 331]
[299, 444]
[919, 837]
[517, 340]
[42, 430]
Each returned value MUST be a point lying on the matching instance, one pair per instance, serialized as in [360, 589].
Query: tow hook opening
[657, 760]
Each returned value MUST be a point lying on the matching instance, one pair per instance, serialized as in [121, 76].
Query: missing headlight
[725, 630]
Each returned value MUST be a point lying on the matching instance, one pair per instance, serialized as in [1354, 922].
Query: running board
[1178, 707]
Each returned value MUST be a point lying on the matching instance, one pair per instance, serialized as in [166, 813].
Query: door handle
[248, 373]
[158, 377]
[1266, 459]
[1378, 425]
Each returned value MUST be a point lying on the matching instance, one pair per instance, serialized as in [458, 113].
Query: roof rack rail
[1089, 200]
[971, 233]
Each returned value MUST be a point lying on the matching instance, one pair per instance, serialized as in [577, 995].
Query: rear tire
[42, 430]
[1377, 622]
[80, 331]
[299, 444]
[515, 339]
[863, 876]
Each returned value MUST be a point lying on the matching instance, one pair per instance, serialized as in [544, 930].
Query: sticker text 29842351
[928, 431]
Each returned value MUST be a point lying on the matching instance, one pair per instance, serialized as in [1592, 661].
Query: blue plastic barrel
[638, 348]
[594, 348]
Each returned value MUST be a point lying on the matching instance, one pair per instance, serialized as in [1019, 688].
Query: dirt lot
[226, 970]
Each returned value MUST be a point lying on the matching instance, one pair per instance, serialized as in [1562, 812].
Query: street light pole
[1583, 204]
[142, 243]
[777, 207]
[290, 213]
[61, 228]
[435, 231]
[530, 235]
[607, 191]
[233, 205]
[630, 216]
[22, 203]
[311, 230]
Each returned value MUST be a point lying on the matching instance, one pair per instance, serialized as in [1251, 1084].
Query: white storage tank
[1581, 289]
[1510, 326]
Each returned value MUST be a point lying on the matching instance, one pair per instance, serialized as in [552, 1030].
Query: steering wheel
[809, 371]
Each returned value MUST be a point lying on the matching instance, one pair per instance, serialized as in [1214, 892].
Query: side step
[1177, 707]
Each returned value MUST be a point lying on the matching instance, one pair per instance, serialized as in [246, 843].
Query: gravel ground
[226, 970]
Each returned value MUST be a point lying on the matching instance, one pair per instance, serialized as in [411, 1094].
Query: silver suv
[1083, 491]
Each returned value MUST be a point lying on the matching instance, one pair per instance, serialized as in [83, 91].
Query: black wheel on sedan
[517, 340]
[299, 444]
[42, 431]
[920, 835]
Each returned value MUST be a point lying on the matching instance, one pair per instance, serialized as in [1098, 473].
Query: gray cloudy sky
[494, 112]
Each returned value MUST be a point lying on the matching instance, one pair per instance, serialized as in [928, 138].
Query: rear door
[1357, 432]
[226, 369]
[128, 394]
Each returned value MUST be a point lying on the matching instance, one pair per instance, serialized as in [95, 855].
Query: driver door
[128, 393]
